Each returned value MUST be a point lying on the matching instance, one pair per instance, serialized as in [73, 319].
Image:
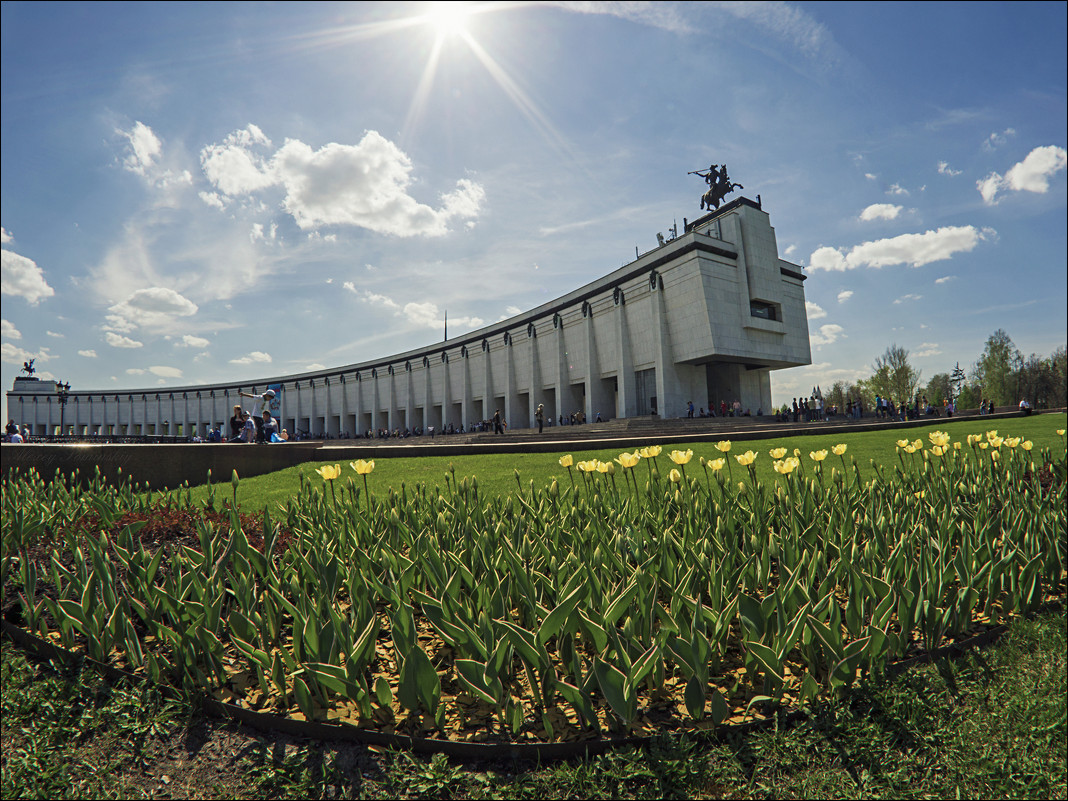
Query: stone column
[626, 399]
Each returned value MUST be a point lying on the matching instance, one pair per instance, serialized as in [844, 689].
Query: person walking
[539, 415]
[497, 428]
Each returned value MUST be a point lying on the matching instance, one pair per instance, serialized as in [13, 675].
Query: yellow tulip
[723, 446]
[777, 453]
[716, 464]
[606, 467]
[984, 445]
[628, 459]
[1060, 432]
[1027, 445]
[746, 458]
[838, 450]
[675, 476]
[650, 452]
[939, 450]
[361, 467]
[910, 449]
[940, 438]
[681, 457]
[956, 446]
[787, 466]
[974, 439]
[1012, 442]
[566, 461]
[991, 434]
[902, 443]
[996, 442]
[994, 455]
[797, 452]
[817, 456]
[917, 444]
[329, 473]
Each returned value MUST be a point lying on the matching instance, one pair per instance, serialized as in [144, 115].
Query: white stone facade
[704, 318]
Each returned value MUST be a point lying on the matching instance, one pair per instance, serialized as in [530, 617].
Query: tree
[994, 372]
[939, 388]
[1059, 369]
[894, 377]
[957, 379]
[1035, 381]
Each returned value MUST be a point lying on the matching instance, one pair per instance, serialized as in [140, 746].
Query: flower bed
[572, 612]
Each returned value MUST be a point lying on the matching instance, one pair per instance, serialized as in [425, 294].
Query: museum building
[704, 317]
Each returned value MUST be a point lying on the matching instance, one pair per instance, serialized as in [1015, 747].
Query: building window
[765, 311]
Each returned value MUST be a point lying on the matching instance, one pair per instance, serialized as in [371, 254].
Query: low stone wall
[169, 466]
[161, 466]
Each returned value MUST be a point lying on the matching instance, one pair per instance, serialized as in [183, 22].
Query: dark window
[765, 311]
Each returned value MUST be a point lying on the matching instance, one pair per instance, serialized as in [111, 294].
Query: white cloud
[657, 15]
[915, 250]
[135, 371]
[154, 307]
[790, 250]
[927, 349]
[5, 236]
[945, 169]
[212, 199]
[22, 277]
[117, 341]
[945, 279]
[897, 189]
[165, 372]
[845, 295]
[371, 297]
[1030, 175]
[54, 335]
[880, 211]
[88, 354]
[826, 335]
[13, 354]
[363, 185]
[814, 311]
[908, 297]
[145, 148]
[8, 330]
[996, 139]
[255, 357]
[190, 341]
[870, 176]
[314, 366]
[143, 154]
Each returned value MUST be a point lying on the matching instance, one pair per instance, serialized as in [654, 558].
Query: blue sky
[196, 193]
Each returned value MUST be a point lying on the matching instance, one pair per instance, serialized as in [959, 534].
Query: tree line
[1001, 375]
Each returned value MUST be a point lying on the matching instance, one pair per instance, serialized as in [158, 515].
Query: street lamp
[63, 395]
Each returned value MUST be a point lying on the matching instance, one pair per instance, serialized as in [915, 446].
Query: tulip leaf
[695, 697]
[613, 686]
[556, 619]
[719, 711]
[472, 675]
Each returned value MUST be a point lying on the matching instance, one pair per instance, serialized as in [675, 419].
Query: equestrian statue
[719, 186]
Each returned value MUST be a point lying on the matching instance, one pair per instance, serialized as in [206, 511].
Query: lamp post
[63, 395]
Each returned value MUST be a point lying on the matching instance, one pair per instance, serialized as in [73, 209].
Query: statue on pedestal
[719, 185]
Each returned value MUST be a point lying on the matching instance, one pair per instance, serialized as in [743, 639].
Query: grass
[496, 472]
[990, 724]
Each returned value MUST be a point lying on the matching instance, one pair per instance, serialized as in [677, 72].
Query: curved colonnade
[702, 318]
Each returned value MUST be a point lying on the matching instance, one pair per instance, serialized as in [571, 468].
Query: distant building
[705, 317]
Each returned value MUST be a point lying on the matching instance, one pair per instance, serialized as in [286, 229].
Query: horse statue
[28, 367]
[719, 186]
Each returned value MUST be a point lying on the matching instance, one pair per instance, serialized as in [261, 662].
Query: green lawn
[496, 473]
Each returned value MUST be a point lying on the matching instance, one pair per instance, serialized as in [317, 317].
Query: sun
[448, 19]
